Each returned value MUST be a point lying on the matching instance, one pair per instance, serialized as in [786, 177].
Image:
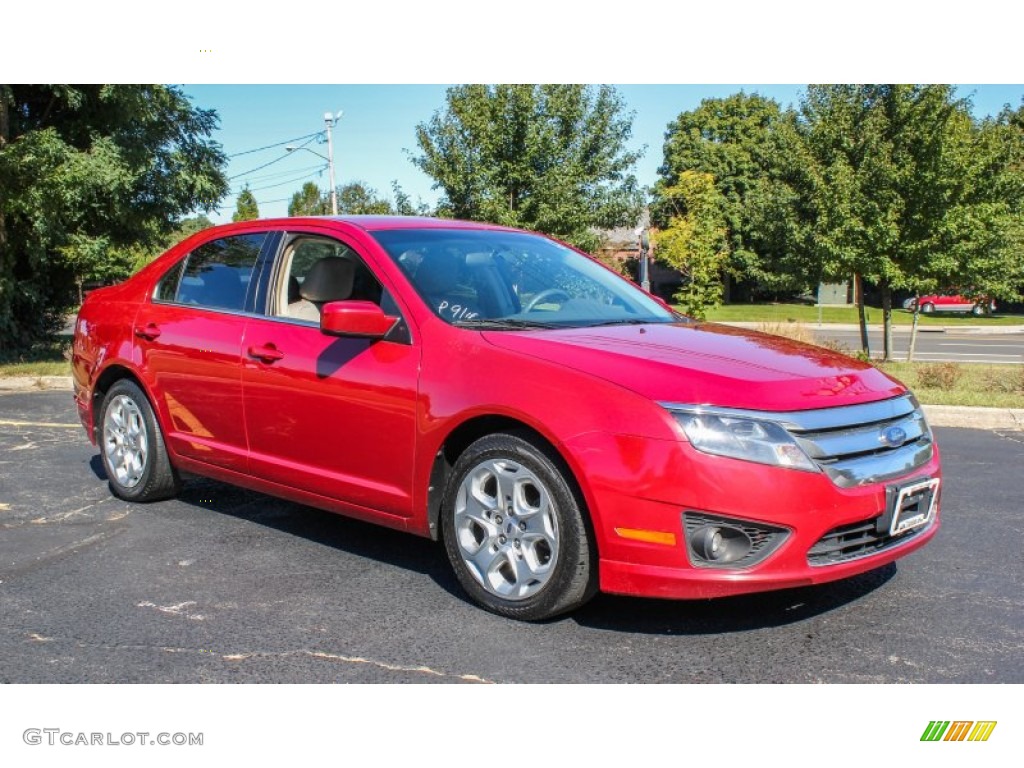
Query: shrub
[942, 376]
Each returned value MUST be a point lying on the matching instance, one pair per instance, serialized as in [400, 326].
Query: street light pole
[329, 120]
[645, 266]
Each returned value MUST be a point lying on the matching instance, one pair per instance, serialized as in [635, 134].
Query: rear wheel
[514, 530]
[927, 307]
[132, 446]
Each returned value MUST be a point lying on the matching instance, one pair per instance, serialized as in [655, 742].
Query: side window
[167, 288]
[316, 270]
[218, 274]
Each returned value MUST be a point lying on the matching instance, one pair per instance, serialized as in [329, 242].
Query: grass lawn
[806, 313]
[974, 384]
[46, 360]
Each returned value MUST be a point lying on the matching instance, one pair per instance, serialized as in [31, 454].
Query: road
[938, 345]
[225, 585]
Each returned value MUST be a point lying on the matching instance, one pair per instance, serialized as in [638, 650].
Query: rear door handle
[268, 353]
[150, 331]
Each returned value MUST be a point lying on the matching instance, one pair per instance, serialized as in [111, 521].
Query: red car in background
[951, 303]
[561, 431]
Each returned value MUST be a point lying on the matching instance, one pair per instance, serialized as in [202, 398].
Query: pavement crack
[174, 610]
[422, 669]
[255, 655]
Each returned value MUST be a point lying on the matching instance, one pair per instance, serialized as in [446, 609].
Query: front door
[333, 416]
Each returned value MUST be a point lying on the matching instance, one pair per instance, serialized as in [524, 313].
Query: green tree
[899, 189]
[696, 240]
[87, 174]
[404, 205]
[309, 201]
[551, 158]
[246, 208]
[357, 198]
[742, 143]
[354, 199]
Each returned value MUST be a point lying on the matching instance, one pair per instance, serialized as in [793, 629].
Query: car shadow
[385, 545]
[728, 614]
[96, 465]
[605, 612]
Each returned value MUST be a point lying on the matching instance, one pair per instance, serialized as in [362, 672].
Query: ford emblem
[893, 437]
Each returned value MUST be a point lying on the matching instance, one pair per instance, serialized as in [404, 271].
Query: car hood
[706, 363]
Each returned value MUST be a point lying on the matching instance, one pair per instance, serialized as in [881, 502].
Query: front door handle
[149, 332]
[268, 353]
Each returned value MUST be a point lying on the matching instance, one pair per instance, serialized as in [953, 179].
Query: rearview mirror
[363, 319]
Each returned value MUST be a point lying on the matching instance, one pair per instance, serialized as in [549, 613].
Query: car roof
[370, 223]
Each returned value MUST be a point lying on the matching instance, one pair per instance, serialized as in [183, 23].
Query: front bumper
[666, 479]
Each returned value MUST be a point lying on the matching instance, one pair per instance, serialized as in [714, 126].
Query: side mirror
[362, 319]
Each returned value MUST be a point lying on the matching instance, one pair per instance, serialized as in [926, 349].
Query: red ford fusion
[558, 429]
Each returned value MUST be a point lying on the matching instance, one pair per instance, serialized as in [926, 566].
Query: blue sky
[376, 133]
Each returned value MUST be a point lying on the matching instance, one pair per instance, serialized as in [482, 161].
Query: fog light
[720, 544]
[723, 542]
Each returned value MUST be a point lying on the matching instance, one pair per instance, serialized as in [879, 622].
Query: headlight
[741, 437]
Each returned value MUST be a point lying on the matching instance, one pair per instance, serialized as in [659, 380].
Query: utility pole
[329, 120]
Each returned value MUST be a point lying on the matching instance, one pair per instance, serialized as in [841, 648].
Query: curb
[966, 417]
[969, 417]
[34, 383]
[995, 330]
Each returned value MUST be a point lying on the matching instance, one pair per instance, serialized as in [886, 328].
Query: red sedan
[557, 428]
[951, 303]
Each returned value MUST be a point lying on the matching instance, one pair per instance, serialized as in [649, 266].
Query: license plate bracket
[909, 506]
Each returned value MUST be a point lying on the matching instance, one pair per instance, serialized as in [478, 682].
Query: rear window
[216, 275]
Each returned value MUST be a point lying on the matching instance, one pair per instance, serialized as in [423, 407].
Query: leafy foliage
[550, 158]
[354, 198]
[246, 208]
[901, 187]
[741, 141]
[89, 175]
[309, 201]
[696, 240]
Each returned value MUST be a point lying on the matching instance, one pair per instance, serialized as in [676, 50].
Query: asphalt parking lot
[226, 585]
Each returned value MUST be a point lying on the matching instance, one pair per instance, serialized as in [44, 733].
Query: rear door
[189, 343]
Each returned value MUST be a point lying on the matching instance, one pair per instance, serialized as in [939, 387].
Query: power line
[258, 202]
[320, 169]
[268, 176]
[276, 160]
[271, 146]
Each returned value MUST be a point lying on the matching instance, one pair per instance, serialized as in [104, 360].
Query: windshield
[494, 279]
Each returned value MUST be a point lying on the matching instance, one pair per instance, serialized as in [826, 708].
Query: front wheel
[514, 530]
[927, 308]
[132, 446]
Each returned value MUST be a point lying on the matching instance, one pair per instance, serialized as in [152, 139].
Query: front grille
[864, 444]
[850, 542]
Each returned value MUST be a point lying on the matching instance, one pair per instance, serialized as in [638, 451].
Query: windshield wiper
[499, 324]
[624, 321]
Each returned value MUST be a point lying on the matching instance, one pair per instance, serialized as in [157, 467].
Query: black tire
[927, 308]
[151, 477]
[546, 514]
[979, 310]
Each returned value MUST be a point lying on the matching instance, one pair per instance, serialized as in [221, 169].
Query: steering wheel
[545, 294]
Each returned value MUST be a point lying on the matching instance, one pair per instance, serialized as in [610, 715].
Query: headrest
[439, 272]
[329, 279]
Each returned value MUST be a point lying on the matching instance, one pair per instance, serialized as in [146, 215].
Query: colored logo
[893, 436]
[958, 730]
